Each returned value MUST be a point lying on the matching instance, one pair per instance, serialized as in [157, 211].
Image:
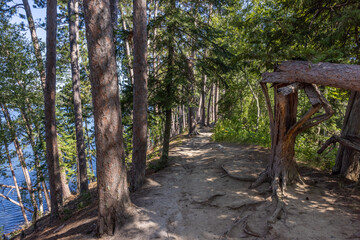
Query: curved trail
[193, 198]
[199, 196]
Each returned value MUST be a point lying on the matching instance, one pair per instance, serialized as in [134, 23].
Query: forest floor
[194, 198]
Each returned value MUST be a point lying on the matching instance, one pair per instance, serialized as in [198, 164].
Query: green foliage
[234, 131]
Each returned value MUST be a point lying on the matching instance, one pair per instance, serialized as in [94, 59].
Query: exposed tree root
[248, 231]
[237, 221]
[246, 204]
[208, 202]
[244, 179]
[263, 177]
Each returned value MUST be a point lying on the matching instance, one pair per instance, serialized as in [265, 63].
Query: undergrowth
[306, 147]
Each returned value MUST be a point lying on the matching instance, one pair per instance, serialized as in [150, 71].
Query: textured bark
[139, 95]
[347, 159]
[21, 205]
[169, 84]
[192, 110]
[282, 167]
[73, 10]
[114, 201]
[20, 155]
[35, 42]
[52, 154]
[328, 74]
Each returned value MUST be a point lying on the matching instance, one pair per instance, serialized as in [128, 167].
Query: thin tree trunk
[39, 174]
[166, 143]
[198, 112]
[209, 113]
[52, 154]
[21, 205]
[203, 95]
[30, 133]
[35, 41]
[140, 95]
[183, 117]
[15, 202]
[216, 110]
[114, 200]
[73, 9]
[127, 48]
[20, 154]
[213, 110]
[257, 104]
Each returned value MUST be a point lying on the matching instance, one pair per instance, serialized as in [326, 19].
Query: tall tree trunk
[39, 174]
[20, 154]
[35, 42]
[127, 47]
[73, 9]
[166, 143]
[169, 83]
[203, 95]
[209, 113]
[216, 110]
[198, 112]
[183, 117]
[139, 96]
[213, 110]
[52, 154]
[21, 205]
[114, 200]
[347, 159]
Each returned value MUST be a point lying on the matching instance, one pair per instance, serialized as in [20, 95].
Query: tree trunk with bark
[284, 126]
[21, 205]
[21, 157]
[166, 143]
[39, 174]
[73, 11]
[139, 95]
[203, 96]
[347, 159]
[52, 154]
[209, 113]
[114, 201]
[342, 76]
[35, 42]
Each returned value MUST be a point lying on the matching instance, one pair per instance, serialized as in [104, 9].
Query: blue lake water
[11, 217]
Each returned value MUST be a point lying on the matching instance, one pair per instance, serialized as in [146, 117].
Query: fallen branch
[15, 202]
[244, 179]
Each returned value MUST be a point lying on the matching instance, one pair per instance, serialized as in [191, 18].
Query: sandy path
[193, 198]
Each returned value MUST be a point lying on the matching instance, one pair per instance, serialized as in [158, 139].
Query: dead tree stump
[282, 168]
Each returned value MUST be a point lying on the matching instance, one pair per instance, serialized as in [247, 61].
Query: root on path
[244, 179]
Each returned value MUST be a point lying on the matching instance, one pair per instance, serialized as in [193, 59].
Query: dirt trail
[193, 198]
